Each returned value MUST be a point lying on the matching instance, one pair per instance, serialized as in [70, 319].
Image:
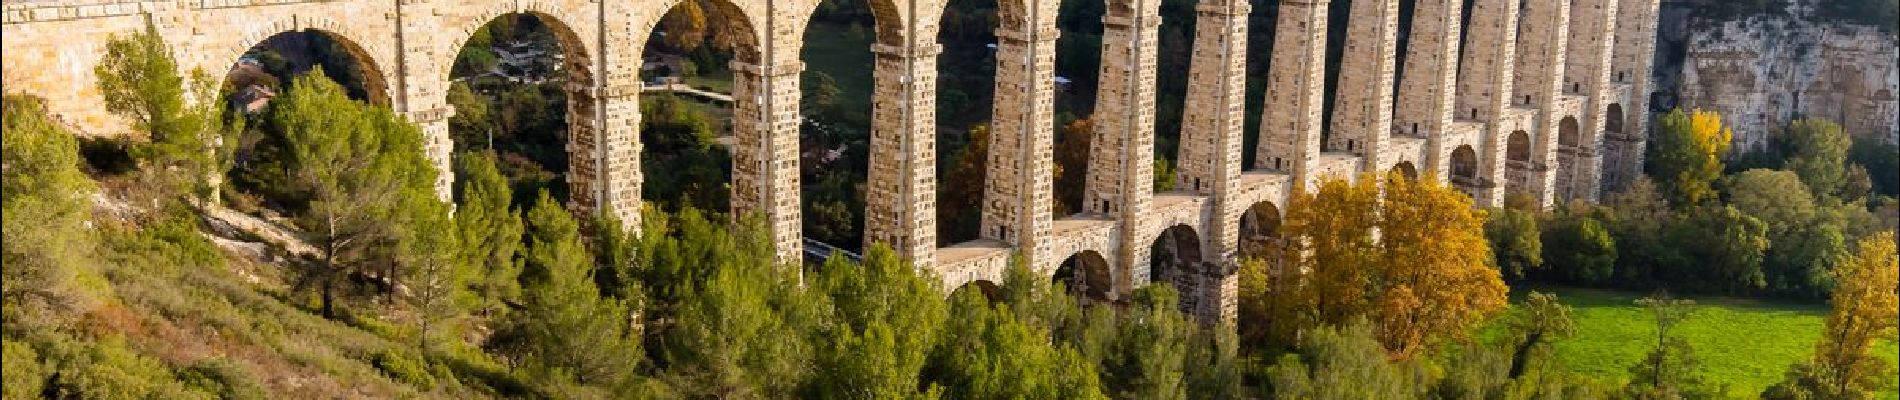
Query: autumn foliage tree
[1865, 310]
[1422, 279]
[1686, 156]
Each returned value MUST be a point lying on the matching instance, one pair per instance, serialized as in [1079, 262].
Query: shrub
[219, 375]
[404, 368]
[24, 376]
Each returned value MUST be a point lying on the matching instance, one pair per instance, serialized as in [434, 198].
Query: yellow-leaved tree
[1413, 262]
[1865, 309]
[1436, 280]
[1687, 154]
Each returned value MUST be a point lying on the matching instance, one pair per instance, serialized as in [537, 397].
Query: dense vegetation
[129, 284]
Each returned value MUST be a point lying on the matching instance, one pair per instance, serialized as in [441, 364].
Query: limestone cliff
[1761, 72]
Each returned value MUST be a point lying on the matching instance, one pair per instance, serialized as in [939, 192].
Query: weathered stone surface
[1581, 63]
[1763, 72]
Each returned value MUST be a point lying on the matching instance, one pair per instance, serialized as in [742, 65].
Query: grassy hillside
[1746, 344]
[175, 313]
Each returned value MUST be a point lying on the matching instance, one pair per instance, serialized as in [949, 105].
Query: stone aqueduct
[1546, 97]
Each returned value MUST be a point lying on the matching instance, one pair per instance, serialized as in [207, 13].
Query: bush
[24, 376]
[404, 368]
[227, 379]
[108, 369]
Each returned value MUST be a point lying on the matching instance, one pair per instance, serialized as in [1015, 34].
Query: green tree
[434, 267]
[988, 353]
[1516, 241]
[1637, 218]
[471, 123]
[565, 328]
[356, 162]
[1346, 362]
[1534, 330]
[1580, 249]
[1148, 357]
[45, 202]
[890, 319]
[1686, 155]
[139, 79]
[489, 229]
[1808, 240]
[1727, 247]
[1820, 155]
[1671, 369]
[616, 254]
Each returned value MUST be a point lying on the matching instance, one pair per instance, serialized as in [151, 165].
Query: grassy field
[1746, 344]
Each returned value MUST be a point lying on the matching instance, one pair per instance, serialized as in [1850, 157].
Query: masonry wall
[1573, 61]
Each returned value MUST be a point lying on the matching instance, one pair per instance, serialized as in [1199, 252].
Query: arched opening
[262, 177]
[989, 290]
[1174, 50]
[966, 82]
[1613, 119]
[1085, 275]
[519, 86]
[1567, 131]
[1464, 167]
[1260, 232]
[1406, 169]
[1175, 258]
[689, 106]
[1078, 63]
[835, 135]
[1518, 147]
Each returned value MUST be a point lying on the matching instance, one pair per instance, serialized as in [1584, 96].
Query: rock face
[1765, 71]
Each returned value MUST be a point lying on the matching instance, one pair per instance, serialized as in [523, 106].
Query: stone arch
[727, 13]
[1518, 146]
[1260, 231]
[1086, 274]
[1176, 258]
[890, 26]
[377, 80]
[577, 53]
[1406, 169]
[578, 62]
[1464, 164]
[1613, 119]
[989, 289]
[1567, 131]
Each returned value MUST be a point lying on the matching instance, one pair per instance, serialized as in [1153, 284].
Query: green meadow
[1745, 344]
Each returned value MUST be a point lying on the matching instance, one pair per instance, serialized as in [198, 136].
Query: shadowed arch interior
[1260, 232]
[361, 77]
[1464, 163]
[1613, 121]
[1567, 131]
[1175, 258]
[1406, 169]
[1519, 146]
[1086, 275]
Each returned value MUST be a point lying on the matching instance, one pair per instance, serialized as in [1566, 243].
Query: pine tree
[45, 203]
[434, 268]
[356, 162]
[490, 230]
[182, 118]
[889, 319]
[566, 328]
